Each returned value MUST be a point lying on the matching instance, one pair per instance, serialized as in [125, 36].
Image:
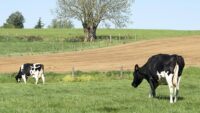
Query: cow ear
[136, 67]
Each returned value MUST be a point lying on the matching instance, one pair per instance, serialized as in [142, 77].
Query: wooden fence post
[81, 46]
[107, 43]
[74, 47]
[99, 43]
[53, 49]
[110, 39]
[128, 38]
[121, 71]
[119, 38]
[20, 53]
[73, 72]
[125, 40]
[7, 36]
[62, 46]
[135, 37]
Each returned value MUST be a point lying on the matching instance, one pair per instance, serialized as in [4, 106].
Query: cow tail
[175, 77]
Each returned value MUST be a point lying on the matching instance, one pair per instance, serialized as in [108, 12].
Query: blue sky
[147, 14]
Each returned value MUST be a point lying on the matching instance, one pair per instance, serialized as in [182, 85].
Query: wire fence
[33, 47]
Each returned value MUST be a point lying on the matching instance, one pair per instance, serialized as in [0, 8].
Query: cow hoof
[150, 96]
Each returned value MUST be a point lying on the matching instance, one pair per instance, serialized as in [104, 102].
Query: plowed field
[110, 58]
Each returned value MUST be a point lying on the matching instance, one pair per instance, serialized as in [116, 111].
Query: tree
[61, 24]
[39, 24]
[92, 12]
[16, 19]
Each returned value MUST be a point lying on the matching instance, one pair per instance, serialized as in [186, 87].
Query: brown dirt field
[110, 58]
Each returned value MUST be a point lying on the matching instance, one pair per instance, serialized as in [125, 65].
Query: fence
[121, 72]
[57, 46]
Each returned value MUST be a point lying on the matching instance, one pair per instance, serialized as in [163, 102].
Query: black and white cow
[31, 70]
[161, 69]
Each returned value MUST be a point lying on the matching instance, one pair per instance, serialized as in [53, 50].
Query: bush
[68, 79]
[76, 39]
[84, 78]
[8, 26]
[33, 38]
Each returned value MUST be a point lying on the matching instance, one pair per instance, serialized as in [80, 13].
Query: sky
[146, 14]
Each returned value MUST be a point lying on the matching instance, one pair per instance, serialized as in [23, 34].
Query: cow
[160, 69]
[35, 70]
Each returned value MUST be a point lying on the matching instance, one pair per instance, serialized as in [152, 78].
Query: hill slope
[111, 58]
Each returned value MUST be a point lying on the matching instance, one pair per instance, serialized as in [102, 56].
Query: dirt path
[110, 58]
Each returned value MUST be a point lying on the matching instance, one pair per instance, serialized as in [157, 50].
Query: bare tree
[92, 12]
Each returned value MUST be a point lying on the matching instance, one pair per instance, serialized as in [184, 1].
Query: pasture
[20, 42]
[101, 90]
[111, 94]
[78, 33]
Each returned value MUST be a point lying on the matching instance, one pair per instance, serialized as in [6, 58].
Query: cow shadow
[167, 98]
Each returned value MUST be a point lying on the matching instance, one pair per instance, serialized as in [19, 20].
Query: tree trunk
[86, 32]
[90, 34]
[93, 33]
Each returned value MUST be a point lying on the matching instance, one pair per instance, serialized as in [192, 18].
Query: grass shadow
[168, 98]
[109, 109]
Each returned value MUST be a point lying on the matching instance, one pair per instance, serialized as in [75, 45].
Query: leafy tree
[39, 24]
[92, 12]
[61, 24]
[16, 19]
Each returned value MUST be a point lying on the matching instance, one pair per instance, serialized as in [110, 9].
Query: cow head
[137, 75]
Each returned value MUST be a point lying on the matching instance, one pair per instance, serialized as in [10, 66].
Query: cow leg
[24, 78]
[150, 94]
[36, 79]
[152, 91]
[176, 90]
[43, 79]
[170, 84]
[155, 85]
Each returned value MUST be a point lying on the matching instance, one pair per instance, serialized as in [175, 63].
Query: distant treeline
[17, 20]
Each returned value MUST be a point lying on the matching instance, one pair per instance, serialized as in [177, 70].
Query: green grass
[78, 33]
[20, 47]
[109, 95]
[16, 42]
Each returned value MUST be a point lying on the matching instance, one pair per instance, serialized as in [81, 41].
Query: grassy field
[20, 47]
[78, 33]
[16, 42]
[97, 96]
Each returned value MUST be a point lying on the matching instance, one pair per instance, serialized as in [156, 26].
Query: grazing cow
[161, 69]
[31, 70]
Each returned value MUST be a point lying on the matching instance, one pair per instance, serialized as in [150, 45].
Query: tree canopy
[61, 23]
[92, 12]
[39, 24]
[16, 19]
